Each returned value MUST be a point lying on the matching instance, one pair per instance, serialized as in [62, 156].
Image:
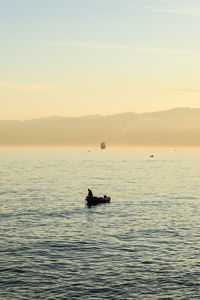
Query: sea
[144, 244]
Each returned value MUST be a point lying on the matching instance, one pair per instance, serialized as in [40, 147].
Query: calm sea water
[145, 244]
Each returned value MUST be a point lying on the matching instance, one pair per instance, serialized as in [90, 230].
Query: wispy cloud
[167, 7]
[186, 90]
[177, 9]
[33, 87]
[105, 46]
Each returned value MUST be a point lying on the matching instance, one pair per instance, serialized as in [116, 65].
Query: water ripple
[143, 245]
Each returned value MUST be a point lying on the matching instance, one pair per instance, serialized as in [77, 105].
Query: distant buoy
[103, 145]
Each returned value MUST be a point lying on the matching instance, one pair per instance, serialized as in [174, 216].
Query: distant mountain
[173, 128]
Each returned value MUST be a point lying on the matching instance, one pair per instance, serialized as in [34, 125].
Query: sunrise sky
[82, 57]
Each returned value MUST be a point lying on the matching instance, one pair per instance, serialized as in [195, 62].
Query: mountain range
[178, 127]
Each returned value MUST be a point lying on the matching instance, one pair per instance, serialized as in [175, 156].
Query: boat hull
[97, 200]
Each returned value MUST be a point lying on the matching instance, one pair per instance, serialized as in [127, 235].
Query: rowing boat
[92, 200]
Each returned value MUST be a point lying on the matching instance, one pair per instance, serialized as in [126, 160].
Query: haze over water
[143, 245]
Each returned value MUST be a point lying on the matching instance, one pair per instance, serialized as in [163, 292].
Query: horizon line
[103, 115]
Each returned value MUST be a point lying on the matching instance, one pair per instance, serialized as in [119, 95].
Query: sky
[84, 57]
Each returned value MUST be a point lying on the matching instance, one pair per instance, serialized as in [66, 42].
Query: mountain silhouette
[173, 128]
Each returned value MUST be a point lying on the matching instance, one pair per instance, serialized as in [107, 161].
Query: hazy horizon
[94, 115]
[178, 127]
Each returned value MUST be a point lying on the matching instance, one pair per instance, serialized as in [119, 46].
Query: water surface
[143, 245]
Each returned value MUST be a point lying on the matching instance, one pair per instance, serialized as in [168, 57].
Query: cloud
[34, 87]
[186, 90]
[189, 10]
[105, 46]
[167, 7]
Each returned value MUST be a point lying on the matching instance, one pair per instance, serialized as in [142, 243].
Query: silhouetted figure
[90, 193]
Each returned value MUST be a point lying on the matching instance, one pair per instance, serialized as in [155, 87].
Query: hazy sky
[78, 57]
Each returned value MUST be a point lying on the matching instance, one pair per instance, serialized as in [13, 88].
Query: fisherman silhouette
[90, 193]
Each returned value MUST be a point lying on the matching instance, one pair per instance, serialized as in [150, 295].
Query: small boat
[92, 200]
[103, 145]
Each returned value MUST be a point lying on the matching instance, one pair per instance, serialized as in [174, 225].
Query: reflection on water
[143, 245]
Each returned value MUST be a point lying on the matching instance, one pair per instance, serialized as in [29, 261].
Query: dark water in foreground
[145, 244]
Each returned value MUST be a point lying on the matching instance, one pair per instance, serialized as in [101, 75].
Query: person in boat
[90, 194]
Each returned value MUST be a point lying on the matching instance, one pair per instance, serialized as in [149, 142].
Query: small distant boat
[93, 200]
[103, 145]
